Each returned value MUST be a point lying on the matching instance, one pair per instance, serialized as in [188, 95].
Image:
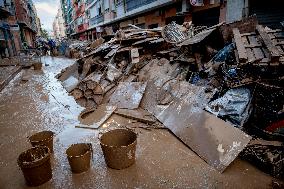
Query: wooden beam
[247, 34]
[240, 45]
[252, 46]
[268, 43]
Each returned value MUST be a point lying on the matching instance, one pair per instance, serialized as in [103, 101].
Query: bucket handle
[91, 149]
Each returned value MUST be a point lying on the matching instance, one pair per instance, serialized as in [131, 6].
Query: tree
[44, 33]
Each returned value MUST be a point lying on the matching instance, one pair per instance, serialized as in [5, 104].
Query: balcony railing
[96, 20]
[134, 4]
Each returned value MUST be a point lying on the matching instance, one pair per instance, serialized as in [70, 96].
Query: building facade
[26, 18]
[10, 42]
[102, 17]
[59, 25]
[19, 26]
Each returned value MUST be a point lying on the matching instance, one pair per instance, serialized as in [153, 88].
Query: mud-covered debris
[94, 118]
[128, 95]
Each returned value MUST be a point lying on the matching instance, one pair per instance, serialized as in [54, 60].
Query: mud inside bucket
[79, 156]
[37, 66]
[119, 147]
[44, 138]
[35, 165]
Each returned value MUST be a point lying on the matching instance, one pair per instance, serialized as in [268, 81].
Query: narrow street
[162, 160]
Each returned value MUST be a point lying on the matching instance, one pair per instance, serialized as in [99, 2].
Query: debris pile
[192, 80]
[75, 48]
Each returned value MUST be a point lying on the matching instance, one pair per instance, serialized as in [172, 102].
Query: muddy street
[162, 161]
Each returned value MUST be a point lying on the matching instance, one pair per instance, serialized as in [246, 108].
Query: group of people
[46, 46]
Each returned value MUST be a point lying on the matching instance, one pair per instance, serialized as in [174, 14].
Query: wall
[234, 10]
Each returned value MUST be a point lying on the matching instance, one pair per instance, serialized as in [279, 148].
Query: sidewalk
[7, 73]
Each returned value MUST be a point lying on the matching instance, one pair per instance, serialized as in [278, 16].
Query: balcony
[6, 9]
[96, 20]
[134, 4]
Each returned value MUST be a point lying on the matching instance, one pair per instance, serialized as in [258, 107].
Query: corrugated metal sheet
[269, 13]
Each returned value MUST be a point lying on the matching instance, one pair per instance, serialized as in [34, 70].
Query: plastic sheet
[234, 106]
[226, 54]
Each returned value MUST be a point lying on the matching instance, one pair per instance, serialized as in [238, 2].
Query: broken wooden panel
[112, 73]
[214, 140]
[94, 118]
[253, 40]
[128, 95]
[268, 43]
[258, 53]
[112, 52]
[251, 57]
[145, 40]
[197, 38]
[240, 45]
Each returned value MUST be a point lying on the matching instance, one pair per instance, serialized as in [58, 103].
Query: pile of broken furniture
[218, 89]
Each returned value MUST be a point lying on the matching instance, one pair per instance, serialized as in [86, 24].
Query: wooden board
[253, 40]
[240, 45]
[251, 57]
[268, 43]
[247, 34]
[258, 53]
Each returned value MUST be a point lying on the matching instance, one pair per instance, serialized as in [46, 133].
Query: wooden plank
[279, 35]
[251, 57]
[266, 53]
[271, 36]
[253, 40]
[280, 49]
[265, 60]
[240, 46]
[268, 43]
[252, 46]
[279, 43]
[274, 31]
[247, 34]
[245, 40]
[258, 53]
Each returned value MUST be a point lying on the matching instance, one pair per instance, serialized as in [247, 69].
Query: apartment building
[101, 17]
[26, 18]
[59, 25]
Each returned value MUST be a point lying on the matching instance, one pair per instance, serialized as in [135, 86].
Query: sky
[46, 11]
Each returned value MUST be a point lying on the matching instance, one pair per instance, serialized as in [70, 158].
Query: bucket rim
[46, 139]
[122, 146]
[78, 156]
[34, 163]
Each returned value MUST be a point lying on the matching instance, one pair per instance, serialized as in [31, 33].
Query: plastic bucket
[119, 147]
[35, 165]
[44, 138]
[79, 156]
